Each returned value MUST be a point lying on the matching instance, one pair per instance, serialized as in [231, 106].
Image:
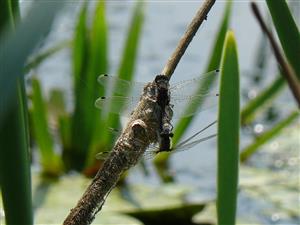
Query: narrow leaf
[80, 57]
[98, 64]
[287, 31]
[15, 163]
[267, 136]
[14, 51]
[37, 59]
[266, 96]
[49, 160]
[228, 133]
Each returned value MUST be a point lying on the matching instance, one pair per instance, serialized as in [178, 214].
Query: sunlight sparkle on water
[258, 128]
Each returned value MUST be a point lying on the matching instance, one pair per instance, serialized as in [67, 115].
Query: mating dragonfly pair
[181, 99]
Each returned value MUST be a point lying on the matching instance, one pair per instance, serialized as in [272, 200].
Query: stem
[288, 71]
[184, 42]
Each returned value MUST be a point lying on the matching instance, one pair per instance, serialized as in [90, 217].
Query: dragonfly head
[162, 81]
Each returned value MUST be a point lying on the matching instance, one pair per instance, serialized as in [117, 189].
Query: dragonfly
[174, 94]
[186, 144]
[185, 95]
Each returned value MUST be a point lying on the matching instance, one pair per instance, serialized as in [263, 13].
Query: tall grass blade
[50, 161]
[15, 179]
[89, 61]
[15, 51]
[14, 155]
[80, 130]
[228, 133]
[266, 96]
[267, 136]
[287, 31]
[9, 14]
[37, 59]
[99, 65]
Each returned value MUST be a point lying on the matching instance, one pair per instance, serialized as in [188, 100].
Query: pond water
[165, 22]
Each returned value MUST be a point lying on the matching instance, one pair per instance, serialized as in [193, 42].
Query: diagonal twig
[140, 131]
[287, 71]
[200, 16]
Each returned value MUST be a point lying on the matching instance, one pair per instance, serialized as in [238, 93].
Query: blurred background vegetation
[51, 132]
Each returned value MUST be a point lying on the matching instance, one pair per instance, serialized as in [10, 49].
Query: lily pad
[164, 204]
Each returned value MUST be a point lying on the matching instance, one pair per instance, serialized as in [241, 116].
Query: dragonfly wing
[185, 106]
[189, 145]
[151, 151]
[197, 86]
[120, 86]
[117, 104]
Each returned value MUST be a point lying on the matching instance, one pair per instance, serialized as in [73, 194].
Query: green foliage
[228, 133]
[83, 132]
[266, 96]
[14, 154]
[289, 37]
[89, 60]
[127, 64]
[268, 135]
[9, 15]
[35, 61]
[15, 162]
[50, 161]
[287, 31]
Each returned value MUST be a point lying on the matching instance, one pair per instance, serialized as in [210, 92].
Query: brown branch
[200, 16]
[140, 131]
[287, 71]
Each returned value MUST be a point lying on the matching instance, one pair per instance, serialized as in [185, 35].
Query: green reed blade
[228, 133]
[266, 96]
[287, 31]
[50, 161]
[267, 136]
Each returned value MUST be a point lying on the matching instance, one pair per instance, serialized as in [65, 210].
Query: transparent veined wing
[186, 96]
[183, 145]
[117, 104]
[201, 85]
[191, 144]
[120, 86]
[152, 151]
[195, 86]
[185, 106]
